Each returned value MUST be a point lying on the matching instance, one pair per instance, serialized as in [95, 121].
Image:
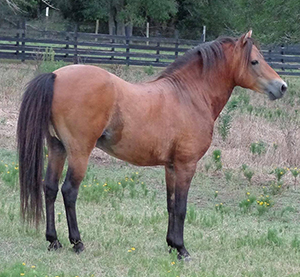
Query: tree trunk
[111, 21]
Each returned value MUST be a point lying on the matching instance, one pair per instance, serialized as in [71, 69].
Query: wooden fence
[79, 47]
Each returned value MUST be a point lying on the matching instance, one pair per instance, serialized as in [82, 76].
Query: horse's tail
[33, 126]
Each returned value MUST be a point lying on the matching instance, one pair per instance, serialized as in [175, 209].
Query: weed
[264, 203]
[279, 173]
[3, 120]
[248, 173]
[224, 125]
[228, 175]
[273, 237]
[258, 147]
[9, 173]
[149, 70]
[207, 166]
[48, 62]
[246, 204]
[295, 172]
[296, 243]
[191, 214]
[216, 156]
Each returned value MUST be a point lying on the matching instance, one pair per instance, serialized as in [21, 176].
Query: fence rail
[77, 47]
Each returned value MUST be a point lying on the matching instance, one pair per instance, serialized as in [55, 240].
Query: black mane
[209, 55]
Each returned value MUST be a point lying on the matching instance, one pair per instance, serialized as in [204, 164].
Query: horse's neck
[212, 89]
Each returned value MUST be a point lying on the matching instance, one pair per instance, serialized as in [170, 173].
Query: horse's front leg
[178, 179]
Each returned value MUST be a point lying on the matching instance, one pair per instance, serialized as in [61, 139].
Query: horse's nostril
[283, 88]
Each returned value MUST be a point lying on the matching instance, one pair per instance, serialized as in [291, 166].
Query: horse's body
[142, 123]
[168, 121]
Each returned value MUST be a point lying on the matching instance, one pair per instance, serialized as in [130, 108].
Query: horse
[168, 121]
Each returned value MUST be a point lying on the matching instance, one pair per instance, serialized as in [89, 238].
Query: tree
[118, 13]
[272, 20]
[193, 14]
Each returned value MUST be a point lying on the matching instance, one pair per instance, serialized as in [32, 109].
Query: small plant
[247, 203]
[273, 237]
[258, 147]
[48, 62]
[279, 173]
[276, 187]
[216, 156]
[264, 203]
[295, 172]
[224, 125]
[248, 173]
[207, 166]
[149, 70]
[9, 173]
[228, 175]
[191, 215]
[275, 146]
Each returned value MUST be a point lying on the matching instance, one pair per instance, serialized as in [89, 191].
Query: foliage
[248, 173]
[258, 147]
[224, 125]
[273, 21]
[48, 62]
[216, 157]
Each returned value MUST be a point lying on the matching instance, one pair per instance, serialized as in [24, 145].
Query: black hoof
[54, 245]
[186, 258]
[183, 255]
[78, 247]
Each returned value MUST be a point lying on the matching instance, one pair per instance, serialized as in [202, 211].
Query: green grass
[124, 228]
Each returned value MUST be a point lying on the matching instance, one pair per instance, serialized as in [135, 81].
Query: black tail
[33, 123]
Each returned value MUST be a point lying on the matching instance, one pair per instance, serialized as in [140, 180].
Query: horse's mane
[209, 54]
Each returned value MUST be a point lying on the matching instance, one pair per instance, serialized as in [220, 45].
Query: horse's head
[253, 72]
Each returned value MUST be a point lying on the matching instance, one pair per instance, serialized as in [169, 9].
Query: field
[243, 207]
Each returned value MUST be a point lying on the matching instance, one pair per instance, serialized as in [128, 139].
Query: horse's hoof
[78, 247]
[54, 245]
[184, 257]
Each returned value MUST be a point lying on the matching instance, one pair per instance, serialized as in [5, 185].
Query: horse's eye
[254, 62]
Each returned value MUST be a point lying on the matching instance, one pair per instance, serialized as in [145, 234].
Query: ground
[237, 224]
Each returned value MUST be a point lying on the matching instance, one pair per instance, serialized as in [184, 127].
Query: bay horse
[168, 121]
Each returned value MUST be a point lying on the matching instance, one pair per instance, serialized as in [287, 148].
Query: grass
[243, 212]
[124, 234]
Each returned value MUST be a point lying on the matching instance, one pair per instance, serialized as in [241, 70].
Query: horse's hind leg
[56, 160]
[78, 161]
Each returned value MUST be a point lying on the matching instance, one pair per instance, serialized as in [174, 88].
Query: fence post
[112, 42]
[176, 44]
[75, 45]
[23, 56]
[127, 50]
[157, 51]
[18, 39]
[67, 44]
[282, 53]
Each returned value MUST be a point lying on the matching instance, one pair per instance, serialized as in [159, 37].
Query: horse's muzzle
[276, 89]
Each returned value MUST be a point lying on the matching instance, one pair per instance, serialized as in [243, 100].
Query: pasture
[243, 205]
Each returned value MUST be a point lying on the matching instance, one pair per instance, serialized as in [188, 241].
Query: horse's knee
[50, 192]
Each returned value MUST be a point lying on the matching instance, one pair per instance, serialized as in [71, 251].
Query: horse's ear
[245, 37]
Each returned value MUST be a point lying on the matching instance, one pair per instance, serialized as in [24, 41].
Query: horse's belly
[133, 151]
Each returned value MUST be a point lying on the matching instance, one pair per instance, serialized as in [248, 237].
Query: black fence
[76, 47]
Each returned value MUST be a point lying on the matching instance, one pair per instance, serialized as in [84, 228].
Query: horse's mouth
[275, 89]
[271, 96]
